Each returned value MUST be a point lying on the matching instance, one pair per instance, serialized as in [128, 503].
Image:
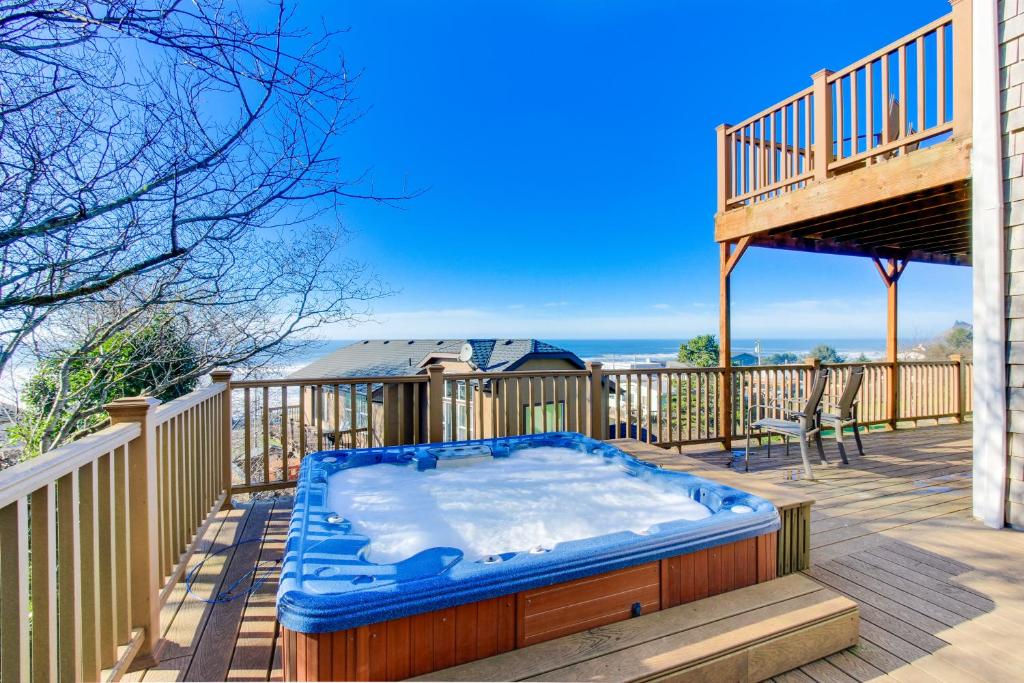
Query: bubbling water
[537, 498]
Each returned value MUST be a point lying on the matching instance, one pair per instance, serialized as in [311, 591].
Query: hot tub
[351, 609]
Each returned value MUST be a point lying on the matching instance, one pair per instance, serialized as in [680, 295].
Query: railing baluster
[69, 587]
[902, 108]
[265, 432]
[921, 105]
[44, 588]
[320, 417]
[353, 415]
[247, 436]
[90, 544]
[107, 583]
[337, 416]
[869, 105]
[854, 114]
[14, 619]
[286, 426]
[302, 422]
[370, 431]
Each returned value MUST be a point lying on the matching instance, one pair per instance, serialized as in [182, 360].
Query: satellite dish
[466, 352]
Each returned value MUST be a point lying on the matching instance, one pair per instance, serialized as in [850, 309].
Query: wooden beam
[881, 270]
[736, 255]
[872, 214]
[941, 164]
[844, 249]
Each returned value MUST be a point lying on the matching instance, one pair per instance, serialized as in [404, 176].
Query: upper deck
[872, 160]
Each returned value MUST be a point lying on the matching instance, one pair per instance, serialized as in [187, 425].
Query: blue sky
[567, 149]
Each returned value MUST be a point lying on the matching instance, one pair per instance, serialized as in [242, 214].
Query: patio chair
[801, 424]
[844, 414]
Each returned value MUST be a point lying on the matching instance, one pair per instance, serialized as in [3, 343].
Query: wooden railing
[94, 534]
[889, 103]
[279, 421]
[666, 406]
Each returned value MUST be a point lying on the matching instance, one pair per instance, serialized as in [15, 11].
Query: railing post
[224, 377]
[435, 403]
[724, 168]
[815, 364]
[597, 405]
[822, 146]
[144, 531]
[963, 79]
[958, 390]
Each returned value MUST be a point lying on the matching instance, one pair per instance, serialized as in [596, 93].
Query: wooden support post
[724, 168]
[143, 516]
[891, 349]
[963, 79]
[598, 406]
[891, 277]
[224, 377]
[725, 265]
[435, 403]
[822, 147]
[728, 258]
[958, 390]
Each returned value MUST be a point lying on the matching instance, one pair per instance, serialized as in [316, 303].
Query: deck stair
[750, 634]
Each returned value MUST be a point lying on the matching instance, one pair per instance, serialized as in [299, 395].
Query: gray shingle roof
[401, 357]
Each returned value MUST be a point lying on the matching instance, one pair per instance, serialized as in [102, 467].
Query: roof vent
[387, 341]
[440, 342]
[411, 341]
[366, 341]
[507, 342]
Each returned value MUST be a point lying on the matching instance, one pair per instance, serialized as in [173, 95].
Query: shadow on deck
[939, 594]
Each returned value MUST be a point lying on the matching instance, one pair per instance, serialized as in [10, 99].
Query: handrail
[18, 480]
[165, 411]
[892, 47]
[769, 110]
[513, 374]
[328, 381]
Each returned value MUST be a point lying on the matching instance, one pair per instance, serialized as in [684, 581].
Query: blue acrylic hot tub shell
[327, 585]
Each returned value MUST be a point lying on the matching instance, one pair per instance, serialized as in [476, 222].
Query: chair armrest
[768, 407]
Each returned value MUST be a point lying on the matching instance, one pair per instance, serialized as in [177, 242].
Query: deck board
[939, 593]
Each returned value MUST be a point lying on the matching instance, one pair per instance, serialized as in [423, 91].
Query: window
[460, 414]
[533, 417]
[446, 422]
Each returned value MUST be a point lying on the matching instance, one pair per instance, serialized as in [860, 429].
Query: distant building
[410, 357]
[744, 359]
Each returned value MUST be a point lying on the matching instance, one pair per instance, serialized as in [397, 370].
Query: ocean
[631, 350]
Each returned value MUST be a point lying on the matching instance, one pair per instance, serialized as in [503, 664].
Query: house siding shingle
[1011, 55]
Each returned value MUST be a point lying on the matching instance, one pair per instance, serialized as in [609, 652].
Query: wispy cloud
[796, 318]
[662, 307]
[556, 304]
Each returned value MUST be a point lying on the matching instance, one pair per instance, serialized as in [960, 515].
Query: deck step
[748, 634]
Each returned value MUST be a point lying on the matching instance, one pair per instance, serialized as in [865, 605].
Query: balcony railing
[907, 95]
[95, 534]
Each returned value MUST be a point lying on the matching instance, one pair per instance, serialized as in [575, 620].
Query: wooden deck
[939, 594]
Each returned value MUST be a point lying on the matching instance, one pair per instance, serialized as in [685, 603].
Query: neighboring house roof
[744, 359]
[403, 357]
